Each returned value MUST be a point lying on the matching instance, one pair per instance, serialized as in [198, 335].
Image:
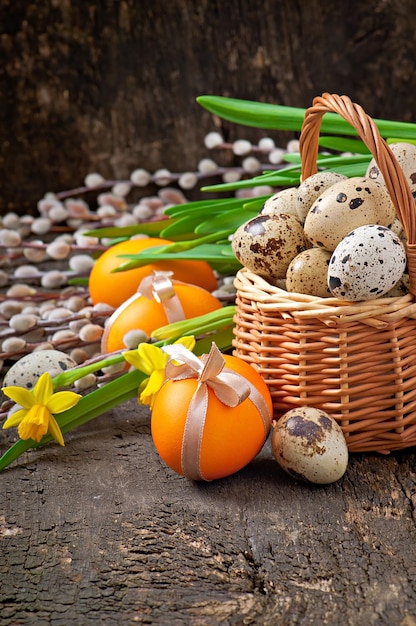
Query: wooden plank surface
[101, 532]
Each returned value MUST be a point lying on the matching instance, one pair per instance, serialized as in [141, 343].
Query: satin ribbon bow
[228, 386]
[159, 286]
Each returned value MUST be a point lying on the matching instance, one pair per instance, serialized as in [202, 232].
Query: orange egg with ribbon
[160, 300]
[110, 287]
[211, 416]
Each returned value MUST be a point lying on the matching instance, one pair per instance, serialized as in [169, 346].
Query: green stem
[196, 326]
[65, 379]
[94, 404]
[222, 338]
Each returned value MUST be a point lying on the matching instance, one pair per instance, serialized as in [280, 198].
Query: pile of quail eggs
[331, 236]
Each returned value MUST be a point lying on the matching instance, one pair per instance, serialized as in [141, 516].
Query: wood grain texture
[101, 532]
[111, 86]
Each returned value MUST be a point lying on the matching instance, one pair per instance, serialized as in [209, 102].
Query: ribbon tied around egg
[229, 387]
[159, 286]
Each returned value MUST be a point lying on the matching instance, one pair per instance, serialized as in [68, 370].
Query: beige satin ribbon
[229, 387]
[159, 286]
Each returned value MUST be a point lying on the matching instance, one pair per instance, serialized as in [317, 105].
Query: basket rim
[271, 299]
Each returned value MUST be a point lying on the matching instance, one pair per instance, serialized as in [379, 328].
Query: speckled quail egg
[27, 370]
[405, 154]
[401, 288]
[366, 264]
[397, 227]
[284, 201]
[346, 205]
[267, 243]
[310, 445]
[307, 273]
[311, 188]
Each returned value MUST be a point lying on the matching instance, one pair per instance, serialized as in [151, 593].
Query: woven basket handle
[393, 175]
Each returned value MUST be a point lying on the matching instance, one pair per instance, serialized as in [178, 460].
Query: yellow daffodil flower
[35, 418]
[151, 360]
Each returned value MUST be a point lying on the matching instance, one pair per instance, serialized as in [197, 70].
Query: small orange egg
[232, 436]
[109, 287]
[140, 312]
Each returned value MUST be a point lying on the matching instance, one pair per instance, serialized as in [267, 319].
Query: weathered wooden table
[101, 532]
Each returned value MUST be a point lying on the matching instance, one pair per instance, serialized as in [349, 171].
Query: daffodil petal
[15, 418]
[188, 341]
[142, 386]
[156, 380]
[55, 431]
[20, 395]
[154, 383]
[62, 400]
[35, 424]
[147, 398]
[43, 389]
[151, 358]
[133, 358]
[144, 396]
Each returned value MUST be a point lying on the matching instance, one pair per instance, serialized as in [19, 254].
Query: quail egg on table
[27, 370]
[366, 264]
[310, 445]
[267, 243]
[344, 206]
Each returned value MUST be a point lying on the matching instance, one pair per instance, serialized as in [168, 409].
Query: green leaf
[275, 180]
[351, 169]
[212, 253]
[180, 246]
[325, 161]
[211, 204]
[280, 117]
[152, 229]
[256, 204]
[342, 144]
[332, 162]
[207, 322]
[222, 337]
[391, 140]
[100, 400]
[254, 114]
[226, 250]
[185, 224]
[229, 222]
[80, 280]
[280, 178]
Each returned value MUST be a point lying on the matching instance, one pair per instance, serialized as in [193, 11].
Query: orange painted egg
[106, 286]
[140, 312]
[232, 436]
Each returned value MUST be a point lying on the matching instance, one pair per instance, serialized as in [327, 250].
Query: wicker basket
[356, 361]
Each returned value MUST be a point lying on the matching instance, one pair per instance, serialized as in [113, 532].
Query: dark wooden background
[109, 86]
